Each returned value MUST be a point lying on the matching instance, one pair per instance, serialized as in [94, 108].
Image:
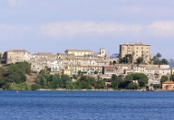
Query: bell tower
[102, 51]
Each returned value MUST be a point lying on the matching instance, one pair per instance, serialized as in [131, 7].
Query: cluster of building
[89, 62]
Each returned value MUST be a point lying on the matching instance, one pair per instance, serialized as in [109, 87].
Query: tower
[102, 51]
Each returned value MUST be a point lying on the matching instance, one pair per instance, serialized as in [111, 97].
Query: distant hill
[115, 55]
[171, 62]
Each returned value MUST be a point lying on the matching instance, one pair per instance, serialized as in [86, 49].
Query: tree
[114, 77]
[69, 85]
[54, 81]
[115, 84]
[95, 72]
[140, 77]
[42, 72]
[43, 82]
[163, 79]
[91, 81]
[119, 83]
[75, 76]
[114, 62]
[156, 59]
[132, 85]
[79, 72]
[158, 55]
[129, 58]
[123, 60]
[126, 59]
[164, 62]
[172, 77]
[139, 60]
[35, 86]
[99, 84]
[156, 86]
[129, 77]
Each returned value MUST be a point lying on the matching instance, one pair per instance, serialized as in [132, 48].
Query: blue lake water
[86, 105]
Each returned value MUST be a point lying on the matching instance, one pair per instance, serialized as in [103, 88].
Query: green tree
[69, 85]
[164, 62]
[157, 86]
[140, 77]
[123, 84]
[35, 87]
[163, 79]
[128, 58]
[116, 84]
[123, 60]
[95, 72]
[54, 82]
[79, 72]
[75, 76]
[132, 85]
[91, 81]
[158, 55]
[99, 84]
[156, 59]
[172, 77]
[139, 60]
[129, 77]
[114, 77]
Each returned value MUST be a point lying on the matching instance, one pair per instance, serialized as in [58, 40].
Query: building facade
[136, 50]
[13, 56]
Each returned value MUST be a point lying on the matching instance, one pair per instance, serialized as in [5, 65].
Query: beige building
[101, 53]
[109, 70]
[137, 50]
[41, 60]
[168, 85]
[78, 52]
[13, 56]
[86, 69]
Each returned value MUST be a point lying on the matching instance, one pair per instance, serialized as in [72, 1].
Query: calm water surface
[56, 105]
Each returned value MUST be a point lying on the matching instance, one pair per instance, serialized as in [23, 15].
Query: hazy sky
[56, 25]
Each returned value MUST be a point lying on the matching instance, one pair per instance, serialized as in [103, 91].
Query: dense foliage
[127, 59]
[13, 77]
[14, 73]
[172, 77]
[140, 77]
[156, 60]
[163, 79]
[47, 81]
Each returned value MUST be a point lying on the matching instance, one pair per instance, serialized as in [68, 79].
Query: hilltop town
[132, 58]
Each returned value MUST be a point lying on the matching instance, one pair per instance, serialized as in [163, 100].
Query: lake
[86, 105]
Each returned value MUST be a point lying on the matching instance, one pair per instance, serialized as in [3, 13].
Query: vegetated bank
[20, 77]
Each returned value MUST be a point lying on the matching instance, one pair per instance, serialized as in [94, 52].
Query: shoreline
[94, 90]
